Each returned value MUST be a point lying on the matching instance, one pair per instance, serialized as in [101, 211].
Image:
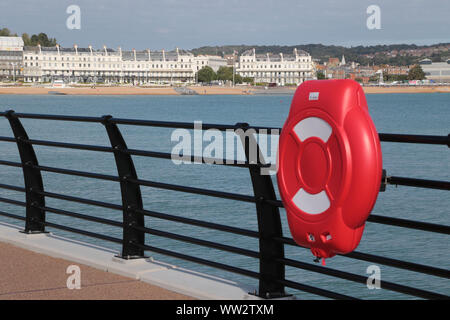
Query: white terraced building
[85, 64]
[11, 55]
[276, 68]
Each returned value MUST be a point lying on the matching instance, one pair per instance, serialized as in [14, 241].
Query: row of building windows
[87, 59]
[265, 60]
[124, 66]
[69, 58]
[273, 66]
[116, 73]
[11, 58]
[269, 74]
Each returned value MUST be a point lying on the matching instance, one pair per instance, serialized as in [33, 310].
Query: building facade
[11, 57]
[276, 68]
[86, 65]
[215, 62]
[45, 64]
[436, 71]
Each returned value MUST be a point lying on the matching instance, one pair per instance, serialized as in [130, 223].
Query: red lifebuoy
[330, 166]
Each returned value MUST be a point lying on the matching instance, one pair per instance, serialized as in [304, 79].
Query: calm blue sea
[394, 113]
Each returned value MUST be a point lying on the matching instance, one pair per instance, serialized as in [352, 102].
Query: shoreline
[407, 89]
[206, 90]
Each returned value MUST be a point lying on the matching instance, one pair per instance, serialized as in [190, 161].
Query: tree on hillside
[46, 41]
[206, 74]
[40, 38]
[36, 39]
[416, 73]
[26, 39]
[5, 32]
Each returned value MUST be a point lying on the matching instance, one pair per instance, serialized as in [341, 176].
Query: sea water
[392, 113]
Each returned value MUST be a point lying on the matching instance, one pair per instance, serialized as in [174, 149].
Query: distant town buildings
[276, 68]
[332, 62]
[335, 69]
[147, 67]
[436, 71]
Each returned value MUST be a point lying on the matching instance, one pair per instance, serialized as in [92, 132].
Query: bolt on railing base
[271, 295]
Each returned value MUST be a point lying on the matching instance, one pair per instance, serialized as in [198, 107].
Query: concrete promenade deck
[28, 275]
[35, 266]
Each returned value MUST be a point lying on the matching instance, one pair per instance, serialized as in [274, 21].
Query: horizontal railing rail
[387, 137]
[271, 253]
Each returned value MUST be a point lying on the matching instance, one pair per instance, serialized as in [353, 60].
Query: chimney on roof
[149, 55]
[164, 55]
[90, 49]
[76, 48]
[57, 48]
[40, 49]
[120, 52]
[106, 51]
[134, 53]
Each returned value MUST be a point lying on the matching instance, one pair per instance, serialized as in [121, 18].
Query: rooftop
[274, 55]
[11, 42]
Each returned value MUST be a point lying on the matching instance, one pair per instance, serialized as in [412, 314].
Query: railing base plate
[131, 257]
[34, 232]
[270, 296]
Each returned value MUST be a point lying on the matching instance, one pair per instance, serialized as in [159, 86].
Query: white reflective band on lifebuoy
[311, 203]
[313, 127]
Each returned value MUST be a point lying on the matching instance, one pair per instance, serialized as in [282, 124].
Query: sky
[187, 24]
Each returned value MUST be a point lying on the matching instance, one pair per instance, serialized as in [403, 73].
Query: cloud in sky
[193, 23]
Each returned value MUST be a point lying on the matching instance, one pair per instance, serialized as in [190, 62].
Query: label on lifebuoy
[329, 166]
[314, 96]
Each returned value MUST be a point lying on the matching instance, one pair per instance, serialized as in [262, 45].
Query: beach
[200, 90]
[407, 89]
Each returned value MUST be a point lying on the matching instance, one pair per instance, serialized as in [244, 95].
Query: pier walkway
[36, 266]
[28, 275]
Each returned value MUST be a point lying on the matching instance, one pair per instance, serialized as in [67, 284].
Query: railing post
[131, 194]
[269, 223]
[35, 217]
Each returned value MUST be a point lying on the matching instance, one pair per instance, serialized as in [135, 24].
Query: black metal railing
[271, 253]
